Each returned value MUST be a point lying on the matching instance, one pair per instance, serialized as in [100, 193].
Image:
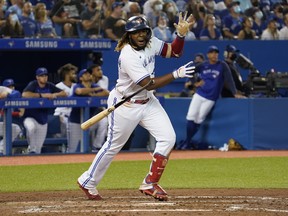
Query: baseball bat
[93, 120]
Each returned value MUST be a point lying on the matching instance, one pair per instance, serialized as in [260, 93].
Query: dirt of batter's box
[214, 202]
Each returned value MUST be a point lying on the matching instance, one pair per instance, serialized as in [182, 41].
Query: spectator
[210, 31]
[211, 9]
[247, 33]
[157, 10]
[12, 27]
[199, 15]
[162, 31]
[114, 25]
[134, 10]
[67, 74]
[223, 8]
[35, 120]
[49, 3]
[257, 22]
[271, 32]
[232, 23]
[283, 33]
[29, 25]
[255, 6]
[126, 7]
[181, 4]
[212, 73]
[148, 7]
[17, 8]
[84, 88]
[230, 55]
[7, 90]
[66, 17]
[91, 21]
[44, 23]
[3, 8]
[266, 9]
[171, 11]
[277, 14]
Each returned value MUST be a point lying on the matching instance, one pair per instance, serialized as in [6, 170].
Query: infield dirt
[214, 202]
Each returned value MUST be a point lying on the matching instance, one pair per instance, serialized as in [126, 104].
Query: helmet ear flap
[149, 35]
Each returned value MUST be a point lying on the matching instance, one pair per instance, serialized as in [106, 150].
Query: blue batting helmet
[136, 23]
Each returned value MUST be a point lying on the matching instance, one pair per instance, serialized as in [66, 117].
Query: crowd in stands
[216, 19]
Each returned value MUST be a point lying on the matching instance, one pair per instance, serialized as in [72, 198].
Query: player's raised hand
[186, 70]
[184, 24]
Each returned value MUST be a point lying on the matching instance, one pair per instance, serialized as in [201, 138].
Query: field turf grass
[260, 172]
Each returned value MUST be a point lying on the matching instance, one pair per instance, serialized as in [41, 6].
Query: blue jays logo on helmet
[136, 23]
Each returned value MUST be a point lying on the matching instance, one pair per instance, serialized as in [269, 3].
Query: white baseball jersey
[134, 66]
[63, 110]
[4, 89]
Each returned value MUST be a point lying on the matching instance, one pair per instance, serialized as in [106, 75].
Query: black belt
[139, 101]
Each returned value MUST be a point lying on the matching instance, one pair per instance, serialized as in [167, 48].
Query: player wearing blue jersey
[84, 88]
[213, 75]
[35, 120]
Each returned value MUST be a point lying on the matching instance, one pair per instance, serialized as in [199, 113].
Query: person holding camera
[192, 83]
[230, 55]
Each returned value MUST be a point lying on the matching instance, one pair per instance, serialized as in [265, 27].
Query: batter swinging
[136, 68]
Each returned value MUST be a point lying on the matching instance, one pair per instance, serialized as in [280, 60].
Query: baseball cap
[8, 82]
[116, 4]
[41, 71]
[233, 4]
[271, 19]
[201, 55]
[231, 48]
[81, 72]
[212, 49]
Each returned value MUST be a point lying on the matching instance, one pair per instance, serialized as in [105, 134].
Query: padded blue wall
[255, 123]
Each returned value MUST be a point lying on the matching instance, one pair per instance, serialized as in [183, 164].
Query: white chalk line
[134, 204]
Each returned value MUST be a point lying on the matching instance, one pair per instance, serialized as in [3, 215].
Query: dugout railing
[84, 103]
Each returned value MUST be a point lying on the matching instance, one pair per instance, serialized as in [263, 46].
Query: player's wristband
[175, 74]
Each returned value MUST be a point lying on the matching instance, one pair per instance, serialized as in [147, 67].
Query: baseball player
[68, 77]
[8, 91]
[98, 76]
[83, 88]
[213, 74]
[136, 68]
[99, 130]
[35, 120]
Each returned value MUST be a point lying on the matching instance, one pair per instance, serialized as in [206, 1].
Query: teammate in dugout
[213, 75]
[84, 88]
[36, 120]
[136, 68]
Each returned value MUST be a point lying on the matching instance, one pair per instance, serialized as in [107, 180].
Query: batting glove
[184, 24]
[186, 70]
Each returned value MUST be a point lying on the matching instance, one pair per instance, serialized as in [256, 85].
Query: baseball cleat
[156, 191]
[91, 194]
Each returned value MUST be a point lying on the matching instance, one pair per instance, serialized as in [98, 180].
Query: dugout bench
[84, 103]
